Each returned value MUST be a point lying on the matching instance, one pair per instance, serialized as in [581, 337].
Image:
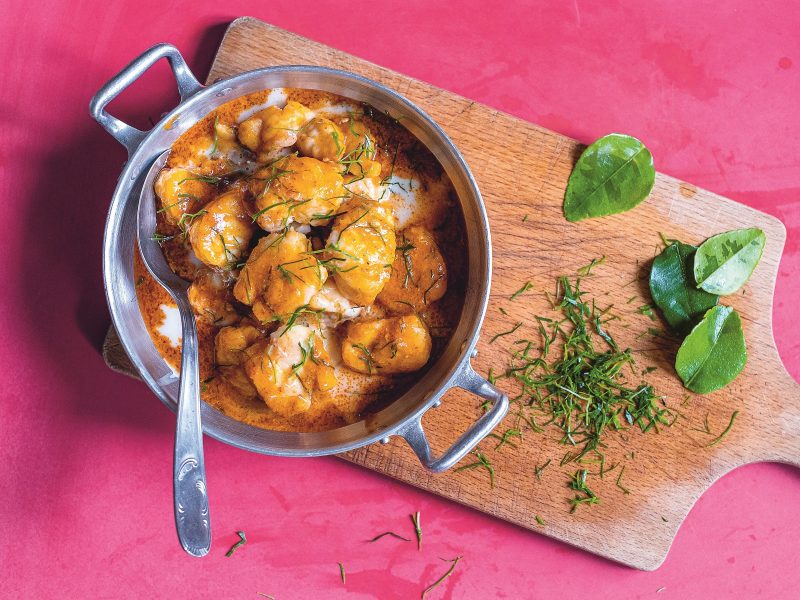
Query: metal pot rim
[144, 146]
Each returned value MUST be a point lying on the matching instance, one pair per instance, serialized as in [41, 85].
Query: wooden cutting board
[522, 169]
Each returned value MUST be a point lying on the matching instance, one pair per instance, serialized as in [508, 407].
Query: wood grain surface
[522, 169]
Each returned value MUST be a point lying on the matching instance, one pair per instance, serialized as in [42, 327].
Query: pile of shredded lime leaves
[575, 377]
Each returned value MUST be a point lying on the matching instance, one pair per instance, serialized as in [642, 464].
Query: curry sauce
[326, 249]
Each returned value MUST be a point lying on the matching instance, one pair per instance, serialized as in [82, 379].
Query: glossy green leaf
[674, 290]
[714, 353]
[612, 175]
[724, 263]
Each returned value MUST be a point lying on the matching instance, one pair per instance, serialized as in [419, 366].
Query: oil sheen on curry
[326, 251]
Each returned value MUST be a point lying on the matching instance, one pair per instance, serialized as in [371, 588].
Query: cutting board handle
[467, 379]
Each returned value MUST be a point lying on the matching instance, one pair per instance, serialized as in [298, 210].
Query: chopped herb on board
[506, 437]
[586, 270]
[482, 462]
[727, 430]
[586, 392]
[204, 178]
[584, 494]
[161, 238]
[528, 286]
[619, 481]
[505, 333]
[537, 470]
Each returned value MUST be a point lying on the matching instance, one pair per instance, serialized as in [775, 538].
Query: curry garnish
[304, 355]
[187, 218]
[353, 222]
[430, 287]
[404, 250]
[161, 238]
[300, 310]
[389, 177]
[257, 214]
[204, 178]
[366, 357]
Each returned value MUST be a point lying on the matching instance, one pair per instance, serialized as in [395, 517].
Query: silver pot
[403, 417]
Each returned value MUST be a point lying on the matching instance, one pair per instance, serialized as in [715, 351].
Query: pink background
[86, 483]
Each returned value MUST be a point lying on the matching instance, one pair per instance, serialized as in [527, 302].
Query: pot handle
[470, 381]
[125, 134]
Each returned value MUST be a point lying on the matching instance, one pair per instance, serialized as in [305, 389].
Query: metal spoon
[192, 518]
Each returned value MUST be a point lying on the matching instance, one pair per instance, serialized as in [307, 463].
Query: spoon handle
[189, 477]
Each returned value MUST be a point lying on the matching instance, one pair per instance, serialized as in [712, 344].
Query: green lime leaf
[724, 263]
[674, 290]
[612, 175]
[714, 353]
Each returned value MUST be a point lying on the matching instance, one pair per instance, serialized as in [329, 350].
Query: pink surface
[86, 483]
